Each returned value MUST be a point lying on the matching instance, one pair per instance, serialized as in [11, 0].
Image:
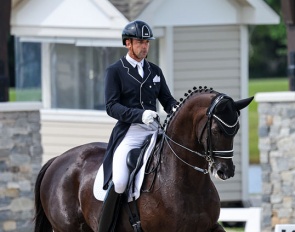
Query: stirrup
[134, 218]
[110, 210]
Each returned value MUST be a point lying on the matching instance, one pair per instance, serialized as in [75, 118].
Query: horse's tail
[42, 223]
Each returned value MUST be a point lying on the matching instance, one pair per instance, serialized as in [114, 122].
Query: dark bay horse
[177, 192]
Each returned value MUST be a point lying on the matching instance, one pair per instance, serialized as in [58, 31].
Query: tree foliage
[268, 47]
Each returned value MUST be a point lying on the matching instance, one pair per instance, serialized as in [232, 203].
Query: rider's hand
[148, 116]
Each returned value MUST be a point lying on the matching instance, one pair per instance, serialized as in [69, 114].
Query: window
[27, 71]
[77, 74]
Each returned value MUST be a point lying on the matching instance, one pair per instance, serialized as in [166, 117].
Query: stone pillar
[20, 161]
[277, 157]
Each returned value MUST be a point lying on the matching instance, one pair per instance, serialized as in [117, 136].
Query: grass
[12, 95]
[234, 229]
[33, 94]
[256, 86]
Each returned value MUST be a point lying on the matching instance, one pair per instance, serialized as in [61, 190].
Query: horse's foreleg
[217, 228]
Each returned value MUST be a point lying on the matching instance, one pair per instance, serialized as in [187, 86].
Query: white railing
[285, 228]
[251, 216]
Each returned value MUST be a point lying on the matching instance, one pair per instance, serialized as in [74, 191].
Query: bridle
[208, 158]
[209, 154]
[210, 115]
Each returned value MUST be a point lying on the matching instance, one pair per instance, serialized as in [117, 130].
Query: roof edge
[45, 18]
[237, 12]
[265, 15]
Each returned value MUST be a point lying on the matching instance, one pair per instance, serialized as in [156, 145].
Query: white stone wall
[20, 161]
[277, 157]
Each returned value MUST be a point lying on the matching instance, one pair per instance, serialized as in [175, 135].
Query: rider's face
[138, 48]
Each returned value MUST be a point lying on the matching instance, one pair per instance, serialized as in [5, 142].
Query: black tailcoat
[127, 96]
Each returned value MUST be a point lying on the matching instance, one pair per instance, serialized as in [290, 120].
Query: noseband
[209, 153]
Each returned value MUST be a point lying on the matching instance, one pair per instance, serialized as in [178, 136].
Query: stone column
[20, 161]
[277, 157]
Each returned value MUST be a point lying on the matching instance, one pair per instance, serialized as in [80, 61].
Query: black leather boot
[110, 210]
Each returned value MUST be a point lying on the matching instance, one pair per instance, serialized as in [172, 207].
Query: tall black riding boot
[110, 210]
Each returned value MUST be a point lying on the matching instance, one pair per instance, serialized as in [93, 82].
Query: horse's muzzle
[223, 171]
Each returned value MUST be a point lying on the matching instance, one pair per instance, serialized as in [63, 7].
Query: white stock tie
[140, 69]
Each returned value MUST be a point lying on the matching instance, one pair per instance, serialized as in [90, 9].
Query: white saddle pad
[99, 192]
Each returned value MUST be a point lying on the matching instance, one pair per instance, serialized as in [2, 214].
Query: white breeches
[134, 138]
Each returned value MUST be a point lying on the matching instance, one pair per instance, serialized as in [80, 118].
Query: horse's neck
[174, 171]
[177, 161]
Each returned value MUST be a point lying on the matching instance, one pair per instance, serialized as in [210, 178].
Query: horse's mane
[177, 107]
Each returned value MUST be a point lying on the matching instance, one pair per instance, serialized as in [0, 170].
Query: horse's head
[205, 123]
[217, 134]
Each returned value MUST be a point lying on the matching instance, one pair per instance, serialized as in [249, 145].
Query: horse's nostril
[225, 173]
[221, 174]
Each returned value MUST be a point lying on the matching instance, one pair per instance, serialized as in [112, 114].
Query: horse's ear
[241, 104]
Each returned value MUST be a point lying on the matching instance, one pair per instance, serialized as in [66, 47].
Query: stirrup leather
[110, 210]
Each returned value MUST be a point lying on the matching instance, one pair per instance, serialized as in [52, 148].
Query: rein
[208, 158]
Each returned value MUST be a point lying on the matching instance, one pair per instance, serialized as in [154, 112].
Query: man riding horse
[132, 86]
[177, 192]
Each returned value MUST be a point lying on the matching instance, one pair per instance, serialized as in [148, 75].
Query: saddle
[134, 162]
[114, 201]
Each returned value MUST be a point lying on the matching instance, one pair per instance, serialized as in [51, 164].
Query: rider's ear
[241, 104]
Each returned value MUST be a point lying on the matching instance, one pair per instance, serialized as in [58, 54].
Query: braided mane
[182, 101]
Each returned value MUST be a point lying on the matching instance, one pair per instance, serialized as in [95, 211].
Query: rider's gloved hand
[148, 116]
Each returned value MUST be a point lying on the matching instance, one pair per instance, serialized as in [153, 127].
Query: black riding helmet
[138, 30]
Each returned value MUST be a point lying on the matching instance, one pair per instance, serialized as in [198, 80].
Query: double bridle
[209, 154]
